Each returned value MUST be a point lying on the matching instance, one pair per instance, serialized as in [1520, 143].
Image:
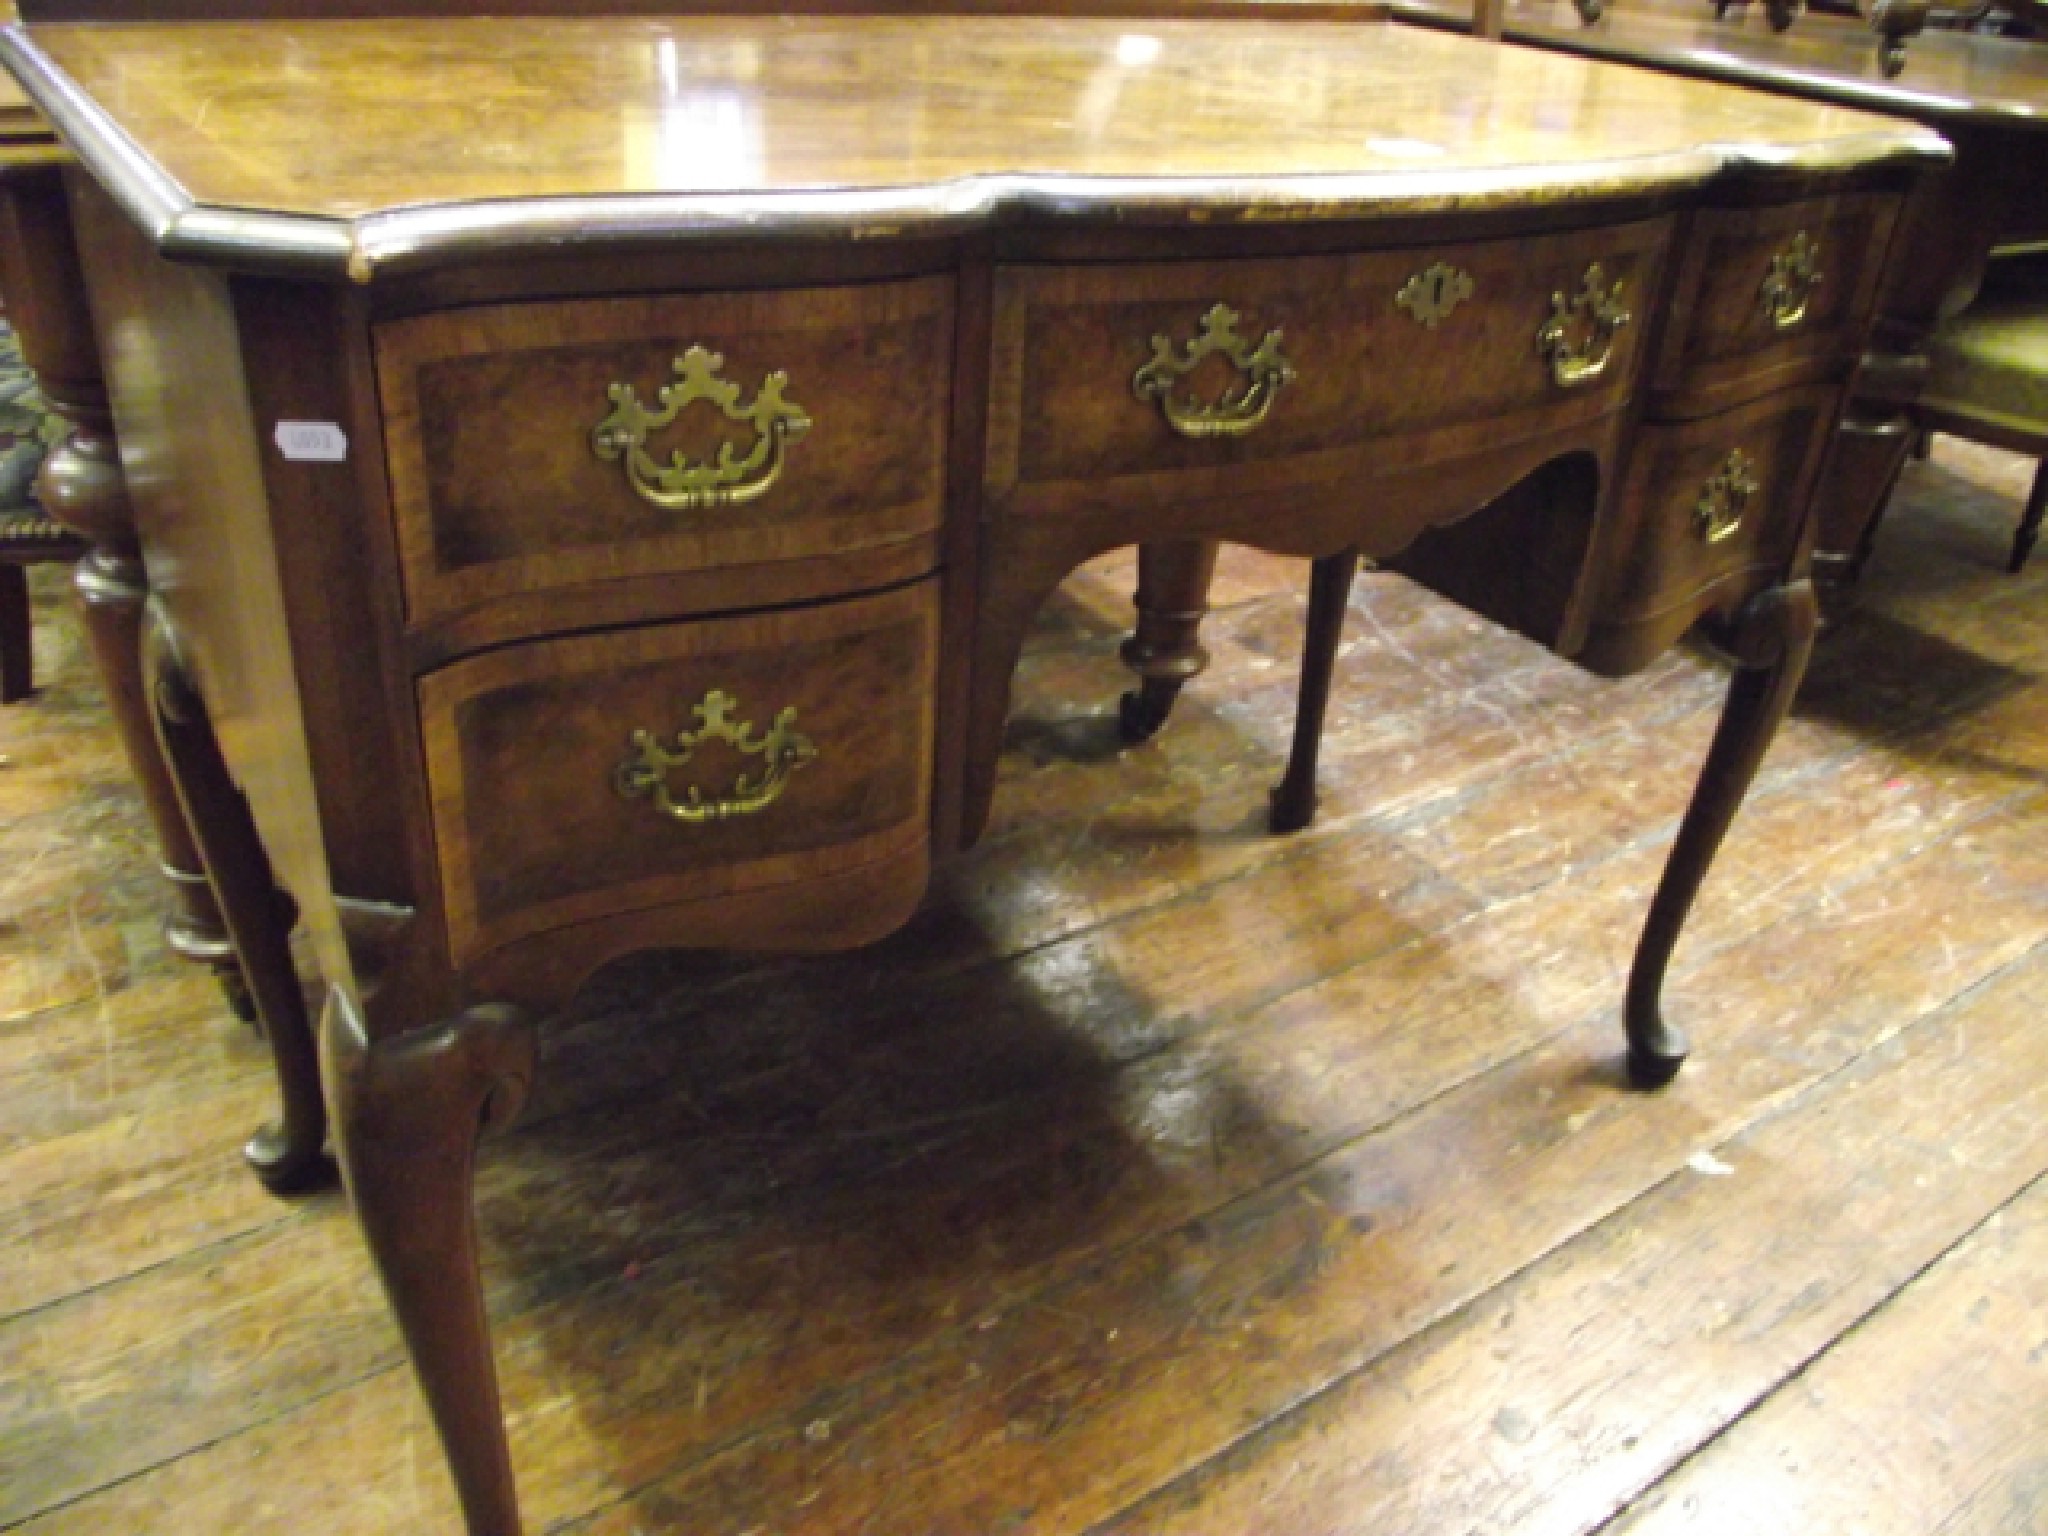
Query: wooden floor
[1165, 1177]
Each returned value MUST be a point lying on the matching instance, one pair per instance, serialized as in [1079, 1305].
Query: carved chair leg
[259, 917]
[1329, 594]
[82, 488]
[408, 1113]
[2030, 521]
[1770, 638]
[17, 664]
[1165, 649]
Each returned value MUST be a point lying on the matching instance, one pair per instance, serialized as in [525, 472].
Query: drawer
[1709, 512]
[806, 423]
[1770, 297]
[583, 777]
[1206, 377]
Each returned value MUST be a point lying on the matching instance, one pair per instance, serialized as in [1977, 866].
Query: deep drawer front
[1768, 297]
[1719, 503]
[776, 747]
[811, 422]
[1309, 358]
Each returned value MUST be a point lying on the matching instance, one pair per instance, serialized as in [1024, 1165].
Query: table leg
[1165, 650]
[2029, 531]
[1770, 637]
[82, 487]
[259, 916]
[1329, 595]
[409, 1110]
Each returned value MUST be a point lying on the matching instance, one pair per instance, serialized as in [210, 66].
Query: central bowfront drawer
[591, 775]
[1219, 376]
[541, 446]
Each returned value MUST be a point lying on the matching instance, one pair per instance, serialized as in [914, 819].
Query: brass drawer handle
[1433, 293]
[732, 479]
[1725, 498]
[1242, 408]
[646, 767]
[1789, 284]
[1578, 338]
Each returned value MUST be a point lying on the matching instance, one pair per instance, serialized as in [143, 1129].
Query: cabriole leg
[1329, 594]
[259, 916]
[2030, 521]
[1770, 638]
[408, 1112]
[1165, 650]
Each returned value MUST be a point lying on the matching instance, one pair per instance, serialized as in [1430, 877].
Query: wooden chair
[26, 536]
[1989, 377]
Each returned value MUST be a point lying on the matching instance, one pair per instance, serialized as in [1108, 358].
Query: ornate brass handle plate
[732, 479]
[1725, 498]
[1789, 285]
[1242, 407]
[1578, 338]
[1434, 292]
[644, 771]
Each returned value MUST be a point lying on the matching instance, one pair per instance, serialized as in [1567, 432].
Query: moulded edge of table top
[1517, 126]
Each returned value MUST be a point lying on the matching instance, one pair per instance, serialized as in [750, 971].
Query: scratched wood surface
[1163, 1177]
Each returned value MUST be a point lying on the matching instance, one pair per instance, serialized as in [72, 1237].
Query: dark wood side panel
[173, 359]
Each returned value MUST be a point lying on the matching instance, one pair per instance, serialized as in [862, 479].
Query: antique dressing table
[595, 474]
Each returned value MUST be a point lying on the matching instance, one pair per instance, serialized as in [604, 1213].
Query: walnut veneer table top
[346, 144]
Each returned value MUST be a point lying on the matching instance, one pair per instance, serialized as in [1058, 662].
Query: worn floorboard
[1162, 1176]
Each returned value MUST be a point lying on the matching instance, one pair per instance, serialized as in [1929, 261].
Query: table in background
[1987, 95]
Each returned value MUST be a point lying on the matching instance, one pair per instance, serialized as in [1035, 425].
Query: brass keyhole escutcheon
[1431, 294]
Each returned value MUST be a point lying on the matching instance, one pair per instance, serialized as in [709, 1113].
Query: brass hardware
[1240, 410]
[731, 480]
[1434, 292]
[1724, 498]
[1789, 284]
[1594, 314]
[646, 767]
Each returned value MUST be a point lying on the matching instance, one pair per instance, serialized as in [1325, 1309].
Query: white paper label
[312, 442]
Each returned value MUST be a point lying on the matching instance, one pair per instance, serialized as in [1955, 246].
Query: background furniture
[1989, 379]
[1988, 96]
[623, 533]
[26, 536]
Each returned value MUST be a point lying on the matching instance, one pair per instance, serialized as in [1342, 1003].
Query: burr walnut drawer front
[1769, 297]
[1714, 510]
[1212, 377]
[583, 777]
[538, 446]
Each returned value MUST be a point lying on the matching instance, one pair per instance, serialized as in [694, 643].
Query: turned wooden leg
[1770, 638]
[81, 487]
[408, 1111]
[259, 916]
[17, 660]
[2030, 521]
[1329, 594]
[1165, 649]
